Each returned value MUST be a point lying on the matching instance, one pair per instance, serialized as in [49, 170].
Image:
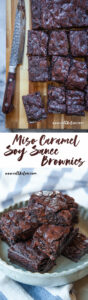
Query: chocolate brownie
[58, 43]
[51, 239]
[77, 247]
[74, 97]
[17, 225]
[38, 68]
[34, 107]
[37, 43]
[53, 208]
[56, 94]
[78, 110]
[60, 68]
[56, 99]
[77, 77]
[31, 259]
[79, 43]
[36, 13]
[86, 98]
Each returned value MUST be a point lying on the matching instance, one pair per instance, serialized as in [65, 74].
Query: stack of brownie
[58, 50]
[39, 233]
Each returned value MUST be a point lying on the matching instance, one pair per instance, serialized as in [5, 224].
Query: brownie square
[56, 100]
[78, 110]
[79, 43]
[58, 43]
[64, 14]
[77, 77]
[53, 208]
[37, 43]
[86, 98]
[76, 248]
[74, 97]
[17, 225]
[60, 68]
[52, 239]
[56, 94]
[31, 259]
[38, 68]
[47, 14]
[34, 107]
[36, 13]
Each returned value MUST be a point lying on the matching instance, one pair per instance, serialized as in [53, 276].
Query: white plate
[65, 270]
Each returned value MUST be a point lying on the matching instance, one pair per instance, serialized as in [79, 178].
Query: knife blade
[16, 57]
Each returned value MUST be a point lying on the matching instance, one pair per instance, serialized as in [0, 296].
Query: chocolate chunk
[77, 77]
[51, 239]
[37, 43]
[58, 43]
[60, 68]
[17, 225]
[34, 107]
[38, 68]
[76, 248]
[79, 43]
[31, 259]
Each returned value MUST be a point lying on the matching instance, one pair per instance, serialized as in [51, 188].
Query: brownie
[34, 107]
[74, 97]
[52, 239]
[78, 110]
[31, 259]
[60, 68]
[77, 77]
[76, 248]
[56, 94]
[79, 43]
[56, 108]
[17, 225]
[86, 98]
[58, 43]
[53, 208]
[38, 68]
[37, 43]
[36, 13]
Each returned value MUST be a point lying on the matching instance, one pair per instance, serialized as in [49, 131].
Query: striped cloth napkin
[15, 188]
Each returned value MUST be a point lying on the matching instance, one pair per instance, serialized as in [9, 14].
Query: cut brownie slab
[74, 97]
[77, 77]
[56, 99]
[51, 14]
[37, 43]
[58, 43]
[31, 259]
[38, 68]
[53, 208]
[79, 43]
[17, 225]
[51, 239]
[34, 107]
[77, 247]
[60, 68]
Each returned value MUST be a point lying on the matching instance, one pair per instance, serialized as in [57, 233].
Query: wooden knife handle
[9, 93]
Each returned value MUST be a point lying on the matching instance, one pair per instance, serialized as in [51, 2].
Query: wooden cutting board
[17, 118]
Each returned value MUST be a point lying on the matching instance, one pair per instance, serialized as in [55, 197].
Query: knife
[16, 57]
